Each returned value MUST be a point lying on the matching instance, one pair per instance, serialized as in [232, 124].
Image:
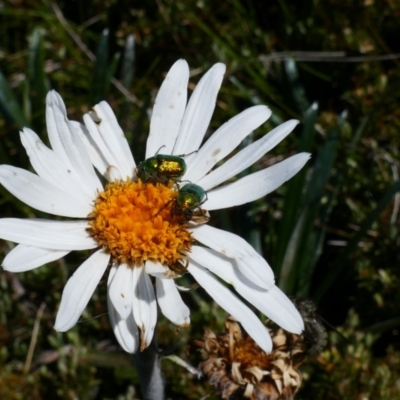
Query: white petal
[224, 140]
[156, 269]
[120, 291]
[247, 260]
[276, 297]
[49, 166]
[230, 303]
[247, 157]
[79, 290]
[66, 143]
[54, 126]
[113, 174]
[125, 330]
[257, 185]
[25, 258]
[186, 289]
[114, 138]
[168, 110]
[272, 302]
[38, 193]
[55, 235]
[171, 303]
[111, 274]
[99, 144]
[144, 306]
[199, 111]
[95, 155]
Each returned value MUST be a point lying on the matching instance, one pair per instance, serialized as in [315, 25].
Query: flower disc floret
[133, 221]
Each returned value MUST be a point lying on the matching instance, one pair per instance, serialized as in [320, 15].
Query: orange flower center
[133, 221]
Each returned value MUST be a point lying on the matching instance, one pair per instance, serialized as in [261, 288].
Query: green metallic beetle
[161, 167]
[187, 204]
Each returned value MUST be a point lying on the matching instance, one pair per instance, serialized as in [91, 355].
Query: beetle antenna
[159, 149]
[184, 181]
[188, 154]
[164, 206]
[333, 328]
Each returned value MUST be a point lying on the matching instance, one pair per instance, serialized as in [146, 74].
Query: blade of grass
[255, 99]
[111, 72]
[38, 83]
[127, 70]
[298, 92]
[128, 62]
[258, 77]
[294, 194]
[101, 78]
[314, 248]
[9, 105]
[383, 326]
[300, 255]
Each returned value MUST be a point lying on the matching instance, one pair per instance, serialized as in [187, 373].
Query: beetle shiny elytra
[187, 204]
[162, 167]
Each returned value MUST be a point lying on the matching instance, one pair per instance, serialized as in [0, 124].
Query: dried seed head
[238, 369]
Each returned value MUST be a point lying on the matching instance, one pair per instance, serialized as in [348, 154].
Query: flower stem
[147, 364]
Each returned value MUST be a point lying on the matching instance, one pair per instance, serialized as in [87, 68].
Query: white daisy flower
[132, 225]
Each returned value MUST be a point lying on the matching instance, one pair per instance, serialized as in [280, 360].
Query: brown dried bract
[238, 369]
